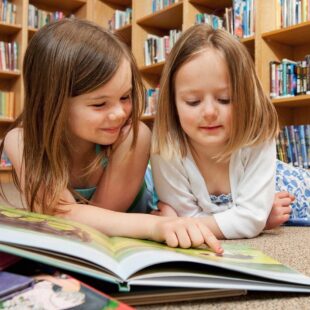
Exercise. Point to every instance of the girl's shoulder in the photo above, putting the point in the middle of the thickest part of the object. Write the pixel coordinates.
(14, 146)
(261, 150)
(13, 138)
(123, 149)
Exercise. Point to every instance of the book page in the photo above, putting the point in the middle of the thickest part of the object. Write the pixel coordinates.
(56, 235)
(236, 257)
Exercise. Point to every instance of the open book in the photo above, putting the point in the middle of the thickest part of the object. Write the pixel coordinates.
(131, 262)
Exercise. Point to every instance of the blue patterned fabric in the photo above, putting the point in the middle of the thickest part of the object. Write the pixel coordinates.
(296, 181)
(223, 200)
(290, 179)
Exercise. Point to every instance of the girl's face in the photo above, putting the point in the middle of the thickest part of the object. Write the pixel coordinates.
(99, 116)
(202, 98)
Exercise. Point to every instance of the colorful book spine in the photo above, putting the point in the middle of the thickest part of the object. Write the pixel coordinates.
(293, 145)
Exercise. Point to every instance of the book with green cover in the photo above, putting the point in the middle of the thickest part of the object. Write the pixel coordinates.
(132, 262)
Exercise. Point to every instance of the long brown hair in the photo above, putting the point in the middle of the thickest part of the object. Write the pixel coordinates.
(64, 59)
(254, 116)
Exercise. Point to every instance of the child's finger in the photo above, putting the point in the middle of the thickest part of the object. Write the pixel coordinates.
(282, 194)
(287, 210)
(183, 237)
(210, 239)
(284, 202)
(195, 235)
(292, 197)
(172, 240)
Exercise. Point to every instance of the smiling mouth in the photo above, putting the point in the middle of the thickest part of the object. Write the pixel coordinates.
(210, 127)
(112, 130)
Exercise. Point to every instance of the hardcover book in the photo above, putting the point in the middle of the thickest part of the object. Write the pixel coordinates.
(133, 263)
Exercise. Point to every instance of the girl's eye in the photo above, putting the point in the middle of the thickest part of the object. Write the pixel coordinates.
(98, 105)
(224, 101)
(125, 98)
(192, 103)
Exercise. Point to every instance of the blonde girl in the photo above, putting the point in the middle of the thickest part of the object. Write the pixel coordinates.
(78, 149)
(213, 152)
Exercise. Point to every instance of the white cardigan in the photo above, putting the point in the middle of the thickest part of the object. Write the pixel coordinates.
(179, 183)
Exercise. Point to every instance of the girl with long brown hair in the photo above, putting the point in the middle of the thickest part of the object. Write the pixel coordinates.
(78, 149)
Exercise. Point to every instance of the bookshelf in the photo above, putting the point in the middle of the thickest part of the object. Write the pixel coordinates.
(269, 43)
(293, 43)
(20, 32)
(103, 11)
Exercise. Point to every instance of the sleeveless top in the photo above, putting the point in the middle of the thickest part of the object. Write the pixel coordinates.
(87, 193)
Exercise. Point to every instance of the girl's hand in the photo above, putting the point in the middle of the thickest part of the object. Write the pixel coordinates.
(281, 210)
(184, 232)
(164, 210)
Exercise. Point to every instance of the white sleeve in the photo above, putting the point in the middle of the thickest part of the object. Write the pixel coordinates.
(173, 187)
(254, 195)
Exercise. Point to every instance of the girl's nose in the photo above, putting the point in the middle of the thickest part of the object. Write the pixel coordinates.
(209, 109)
(117, 112)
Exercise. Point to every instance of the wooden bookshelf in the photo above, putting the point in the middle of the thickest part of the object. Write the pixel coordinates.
(268, 43)
(274, 44)
(153, 69)
(124, 33)
(60, 5)
(293, 102)
(103, 11)
(294, 35)
(20, 32)
(9, 29)
(214, 5)
(169, 17)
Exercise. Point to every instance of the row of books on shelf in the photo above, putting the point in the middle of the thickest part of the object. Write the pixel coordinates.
(38, 18)
(293, 145)
(7, 105)
(9, 56)
(8, 11)
(289, 78)
(157, 48)
(120, 19)
(151, 101)
(238, 20)
(244, 18)
(161, 4)
(292, 12)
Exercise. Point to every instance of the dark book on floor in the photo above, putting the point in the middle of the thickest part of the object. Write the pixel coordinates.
(133, 263)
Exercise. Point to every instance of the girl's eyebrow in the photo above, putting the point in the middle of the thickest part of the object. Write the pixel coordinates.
(105, 96)
(194, 90)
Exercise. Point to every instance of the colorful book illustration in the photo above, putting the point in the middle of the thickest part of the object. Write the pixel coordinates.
(60, 292)
(132, 262)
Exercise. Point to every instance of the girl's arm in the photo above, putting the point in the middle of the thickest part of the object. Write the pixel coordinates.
(253, 184)
(124, 174)
(175, 232)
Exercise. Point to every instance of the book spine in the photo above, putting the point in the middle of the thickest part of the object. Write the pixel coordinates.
(303, 148)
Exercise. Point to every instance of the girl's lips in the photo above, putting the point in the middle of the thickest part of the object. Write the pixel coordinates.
(210, 127)
(112, 130)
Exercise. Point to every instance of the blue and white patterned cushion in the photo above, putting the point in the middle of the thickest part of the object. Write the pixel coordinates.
(296, 181)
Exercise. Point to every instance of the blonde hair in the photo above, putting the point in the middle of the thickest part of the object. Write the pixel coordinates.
(64, 59)
(254, 118)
